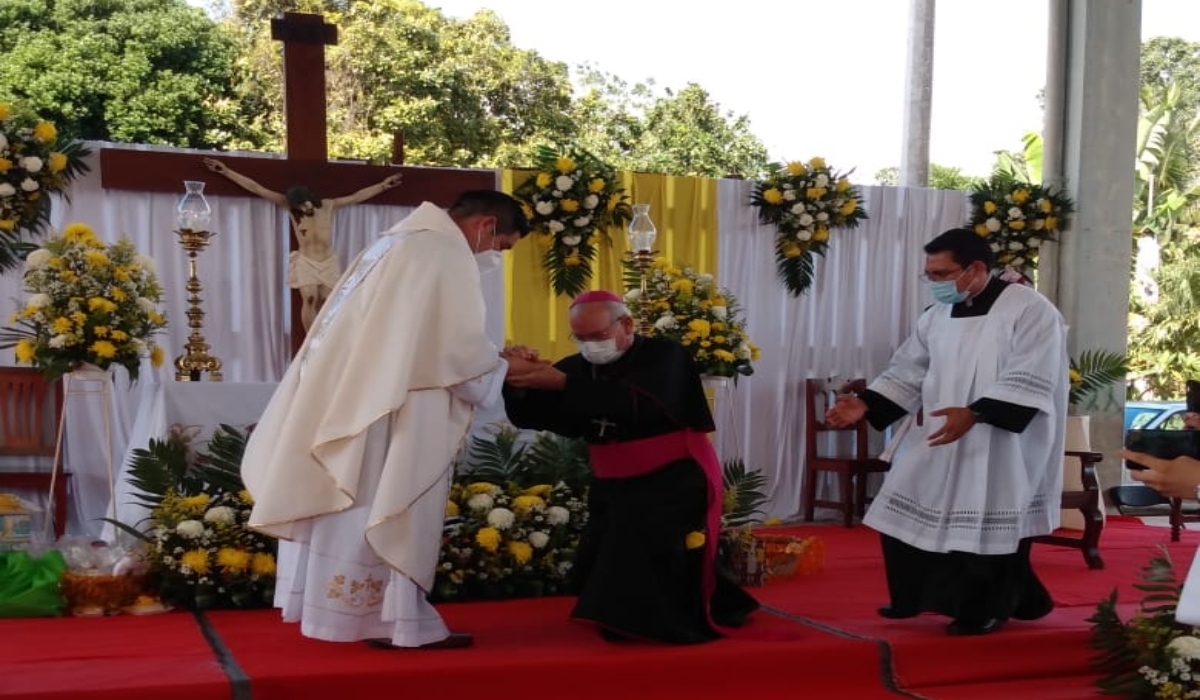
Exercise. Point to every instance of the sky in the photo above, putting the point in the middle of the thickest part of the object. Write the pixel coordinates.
(821, 78)
(827, 78)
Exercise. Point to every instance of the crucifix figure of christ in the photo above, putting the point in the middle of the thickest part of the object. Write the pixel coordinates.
(304, 37)
(313, 268)
(603, 424)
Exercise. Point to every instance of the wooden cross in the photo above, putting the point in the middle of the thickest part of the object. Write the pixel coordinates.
(604, 425)
(304, 38)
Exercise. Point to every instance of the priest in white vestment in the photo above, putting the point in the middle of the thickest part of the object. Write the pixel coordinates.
(351, 463)
(981, 475)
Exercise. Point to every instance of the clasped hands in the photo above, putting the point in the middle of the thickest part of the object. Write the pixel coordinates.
(528, 371)
(849, 409)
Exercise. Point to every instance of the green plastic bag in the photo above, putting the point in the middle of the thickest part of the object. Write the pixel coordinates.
(29, 586)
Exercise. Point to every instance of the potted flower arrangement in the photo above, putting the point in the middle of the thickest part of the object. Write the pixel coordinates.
(805, 202)
(514, 519)
(1017, 218)
(1151, 655)
(88, 303)
(198, 549)
(689, 307)
(35, 162)
(572, 201)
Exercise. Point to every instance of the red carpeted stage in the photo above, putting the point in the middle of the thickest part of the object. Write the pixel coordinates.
(819, 638)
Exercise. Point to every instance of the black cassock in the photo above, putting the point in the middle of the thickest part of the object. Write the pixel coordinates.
(634, 575)
(971, 588)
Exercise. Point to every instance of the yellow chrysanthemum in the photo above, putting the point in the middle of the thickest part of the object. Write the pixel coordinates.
(569, 205)
(1051, 223)
(815, 192)
(481, 487)
(573, 260)
(451, 509)
(104, 306)
(982, 230)
(57, 162)
(196, 560)
(5, 165)
(1046, 206)
(821, 234)
(488, 538)
(1020, 196)
(700, 327)
(521, 552)
(842, 185)
(528, 503)
(816, 163)
(724, 355)
(796, 168)
(103, 349)
(45, 132)
(195, 503)
(77, 232)
(989, 207)
(849, 207)
(772, 195)
(245, 497)
(596, 186)
(694, 540)
(564, 164)
(1017, 225)
(156, 356)
(541, 490)
(263, 564)
(100, 331)
(96, 258)
(233, 561)
(7, 224)
(544, 180)
(25, 351)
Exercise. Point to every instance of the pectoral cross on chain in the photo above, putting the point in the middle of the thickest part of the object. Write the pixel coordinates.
(604, 425)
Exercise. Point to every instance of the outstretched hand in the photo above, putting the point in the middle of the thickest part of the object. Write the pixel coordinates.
(214, 165)
(393, 181)
(846, 411)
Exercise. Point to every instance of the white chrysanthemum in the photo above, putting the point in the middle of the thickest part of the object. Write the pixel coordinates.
(59, 341)
(1016, 245)
(146, 305)
(1186, 647)
(591, 201)
(805, 219)
(798, 209)
(992, 224)
(633, 295)
(30, 185)
(1018, 261)
(823, 216)
(720, 312)
(804, 235)
(666, 323)
(3, 142)
(555, 226)
(32, 164)
(582, 221)
(789, 194)
(38, 258)
(538, 540)
(147, 263)
(564, 182)
(7, 190)
(500, 518)
(1015, 213)
(557, 515)
(220, 514)
(38, 301)
(822, 180)
(544, 208)
(480, 502)
(190, 528)
(572, 240)
(1035, 242)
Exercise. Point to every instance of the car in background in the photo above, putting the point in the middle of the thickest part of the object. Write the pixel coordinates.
(1161, 415)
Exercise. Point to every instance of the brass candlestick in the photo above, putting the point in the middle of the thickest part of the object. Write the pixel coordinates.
(642, 234)
(196, 359)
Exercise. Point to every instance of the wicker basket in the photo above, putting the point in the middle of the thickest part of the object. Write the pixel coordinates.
(100, 594)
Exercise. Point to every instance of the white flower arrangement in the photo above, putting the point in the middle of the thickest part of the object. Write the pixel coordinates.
(1018, 218)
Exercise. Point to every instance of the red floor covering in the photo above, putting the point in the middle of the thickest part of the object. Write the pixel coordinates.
(831, 645)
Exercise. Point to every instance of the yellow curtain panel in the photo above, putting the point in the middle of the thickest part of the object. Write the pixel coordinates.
(684, 210)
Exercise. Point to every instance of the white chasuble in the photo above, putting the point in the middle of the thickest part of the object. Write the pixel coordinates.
(990, 488)
(352, 460)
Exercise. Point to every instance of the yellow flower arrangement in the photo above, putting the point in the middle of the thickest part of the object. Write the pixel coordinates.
(34, 163)
(1017, 218)
(689, 307)
(805, 202)
(572, 201)
(89, 302)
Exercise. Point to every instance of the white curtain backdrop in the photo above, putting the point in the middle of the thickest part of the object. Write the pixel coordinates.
(864, 299)
(245, 300)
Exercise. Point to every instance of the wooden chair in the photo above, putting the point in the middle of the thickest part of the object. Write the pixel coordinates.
(1142, 501)
(1088, 502)
(852, 469)
(30, 411)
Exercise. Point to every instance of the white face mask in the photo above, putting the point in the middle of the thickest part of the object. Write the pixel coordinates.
(600, 352)
(488, 261)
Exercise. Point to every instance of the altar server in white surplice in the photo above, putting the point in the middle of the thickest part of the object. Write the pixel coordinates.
(982, 475)
(350, 466)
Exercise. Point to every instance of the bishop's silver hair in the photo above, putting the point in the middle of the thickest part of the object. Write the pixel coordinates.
(617, 309)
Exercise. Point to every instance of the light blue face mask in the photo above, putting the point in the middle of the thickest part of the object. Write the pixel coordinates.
(946, 292)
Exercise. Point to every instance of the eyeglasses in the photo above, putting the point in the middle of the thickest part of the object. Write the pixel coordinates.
(602, 334)
(945, 276)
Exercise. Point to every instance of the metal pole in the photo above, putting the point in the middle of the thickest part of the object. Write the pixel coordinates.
(918, 95)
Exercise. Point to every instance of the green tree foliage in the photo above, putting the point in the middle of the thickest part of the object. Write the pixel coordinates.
(144, 71)
(941, 177)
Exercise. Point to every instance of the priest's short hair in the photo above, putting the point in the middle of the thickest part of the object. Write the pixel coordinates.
(965, 246)
(510, 218)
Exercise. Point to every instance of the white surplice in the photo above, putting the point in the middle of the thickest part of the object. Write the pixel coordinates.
(351, 462)
(991, 488)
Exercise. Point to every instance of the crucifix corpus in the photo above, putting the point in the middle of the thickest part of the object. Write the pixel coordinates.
(304, 38)
(603, 424)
